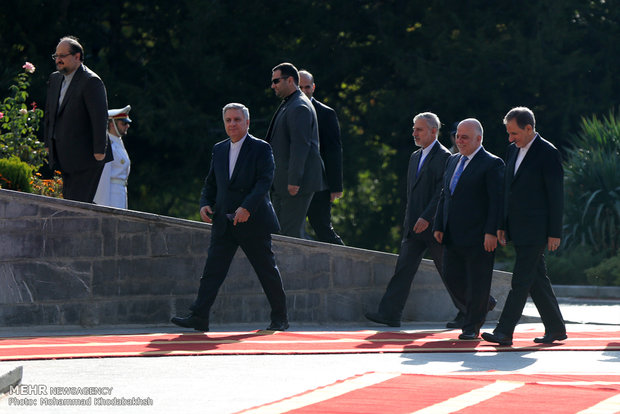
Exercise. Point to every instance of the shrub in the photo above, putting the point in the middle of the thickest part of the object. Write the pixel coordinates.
(18, 125)
(607, 273)
(592, 187)
(569, 266)
(15, 174)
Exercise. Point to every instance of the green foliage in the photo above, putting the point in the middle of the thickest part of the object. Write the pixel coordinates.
(15, 174)
(18, 125)
(377, 63)
(592, 186)
(607, 273)
(569, 266)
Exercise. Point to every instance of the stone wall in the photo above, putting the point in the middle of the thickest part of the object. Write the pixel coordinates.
(70, 263)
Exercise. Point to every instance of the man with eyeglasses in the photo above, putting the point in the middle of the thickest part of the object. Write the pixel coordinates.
(294, 137)
(76, 115)
(330, 145)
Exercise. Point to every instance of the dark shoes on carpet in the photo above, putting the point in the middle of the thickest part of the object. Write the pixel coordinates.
(278, 326)
(378, 318)
(469, 335)
(549, 338)
(497, 337)
(192, 321)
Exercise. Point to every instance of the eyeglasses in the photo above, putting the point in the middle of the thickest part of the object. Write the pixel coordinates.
(277, 80)
(55, 56)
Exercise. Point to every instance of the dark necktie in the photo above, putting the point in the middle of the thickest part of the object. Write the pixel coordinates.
(420, 163)
(457, 174)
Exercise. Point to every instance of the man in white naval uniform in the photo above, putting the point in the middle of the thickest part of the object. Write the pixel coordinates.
(112, 189)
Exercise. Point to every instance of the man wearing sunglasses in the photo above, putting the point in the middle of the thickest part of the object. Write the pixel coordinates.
(76, 118)
(294, 137)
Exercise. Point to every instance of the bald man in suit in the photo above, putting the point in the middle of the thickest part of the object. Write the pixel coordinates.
(76, 119)
(467, 219)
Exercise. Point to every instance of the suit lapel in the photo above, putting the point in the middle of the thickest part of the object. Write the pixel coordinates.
(510, 164)
(529, 155)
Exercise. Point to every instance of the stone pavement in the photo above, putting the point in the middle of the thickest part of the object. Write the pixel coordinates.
(229, 383)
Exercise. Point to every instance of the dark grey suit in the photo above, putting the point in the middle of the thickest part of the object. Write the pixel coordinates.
(464, 217)
(532, 212)
(76, 130)
(319, 212)
(248, 187)
(294, 137)
(423, 190)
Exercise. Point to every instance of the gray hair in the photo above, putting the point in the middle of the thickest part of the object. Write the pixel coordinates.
(431, 119)
(476, 124)
(241, 107)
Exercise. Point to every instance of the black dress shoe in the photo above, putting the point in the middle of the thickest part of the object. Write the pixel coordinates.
(278, 326)
(192, 321)
(492, 303)
(469, 335)
(550, 337)
(377, 317)
(497, 337)
(458, 322)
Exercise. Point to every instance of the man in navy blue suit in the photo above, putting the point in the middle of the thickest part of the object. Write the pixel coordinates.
(466, 223)
(532, 220)
(235, 199)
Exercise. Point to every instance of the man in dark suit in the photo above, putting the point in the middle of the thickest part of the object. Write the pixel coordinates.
(424, 177)
(294, 137)
(320, 210)
(532, 219)
(76, 119)
(235, 198)
(466, 223)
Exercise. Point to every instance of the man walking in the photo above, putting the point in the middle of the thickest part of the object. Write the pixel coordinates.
(235, 198)
(532, 219)
(294, 137)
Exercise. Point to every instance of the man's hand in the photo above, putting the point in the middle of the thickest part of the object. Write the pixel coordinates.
(438, 236)
(241, 216)
(334, 196)
(204, 214)
(501, 237)
(420, 225)
(293, 189)
(490, 242)
(99, 157)
(553, 243)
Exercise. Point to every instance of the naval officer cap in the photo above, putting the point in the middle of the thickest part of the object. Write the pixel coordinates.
(120, 114)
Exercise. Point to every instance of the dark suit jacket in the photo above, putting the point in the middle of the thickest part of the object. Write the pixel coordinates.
(330, 145)
(79, 126)
(534, 196)
(248, 187)
(475, 207)
(294, 137)
(423, 192)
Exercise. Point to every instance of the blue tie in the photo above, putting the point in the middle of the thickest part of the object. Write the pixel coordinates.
(420, 163)
(457, 174)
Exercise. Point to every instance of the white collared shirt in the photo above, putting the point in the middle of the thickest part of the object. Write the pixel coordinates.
(65, 85)
(235, 148)
(425, 152)
(522, 152)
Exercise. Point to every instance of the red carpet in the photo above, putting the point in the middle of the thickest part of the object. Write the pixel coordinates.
(483, 392)
(267, 342)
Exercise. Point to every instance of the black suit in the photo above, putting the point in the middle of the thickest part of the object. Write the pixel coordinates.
(319, 212)
(423, 190)
(248, 187)
(76, 130)
(532, 212)
(464, 217)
